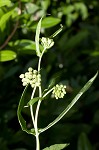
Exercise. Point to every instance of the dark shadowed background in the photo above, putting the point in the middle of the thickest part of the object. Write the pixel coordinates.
(73, 60)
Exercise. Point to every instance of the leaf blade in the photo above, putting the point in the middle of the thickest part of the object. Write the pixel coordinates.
(4, 2)
(34, 100)
(56, 147)
(7, 55)
(50, 22)
(83, 142)
(5, 18)
(84, 89)
(20, 117)
(37, 37)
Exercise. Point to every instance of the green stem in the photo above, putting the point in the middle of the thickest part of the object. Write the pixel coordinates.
(36, 119)
(31, 108)
(37, 109)
(48, 92)
(39, 63)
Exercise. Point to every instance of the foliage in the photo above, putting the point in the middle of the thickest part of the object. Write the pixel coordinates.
(75, 58)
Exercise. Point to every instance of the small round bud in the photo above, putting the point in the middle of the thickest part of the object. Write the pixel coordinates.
(30, 69)
(30, 76)
(34, 76)
(21, 76)
(26, 74)
(24, 83)
(34, 71)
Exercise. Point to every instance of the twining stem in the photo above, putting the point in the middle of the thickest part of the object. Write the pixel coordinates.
(39, 63)
(31, 108)
(48, 92)
(36, 119)
(38, 106)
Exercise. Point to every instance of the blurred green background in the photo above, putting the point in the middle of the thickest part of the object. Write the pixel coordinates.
(73, 60)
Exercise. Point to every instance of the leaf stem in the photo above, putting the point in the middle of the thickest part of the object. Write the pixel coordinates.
(48, 92)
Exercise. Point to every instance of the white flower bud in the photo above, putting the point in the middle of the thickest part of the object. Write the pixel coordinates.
(31, 77)
(30, 69)
(26, 74)
(21, 76)
(47, 42)
(34, 76)
(34, 71)
(24, 83)
(59, 91)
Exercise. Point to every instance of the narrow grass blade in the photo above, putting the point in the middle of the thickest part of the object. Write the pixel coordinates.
(20, 117)
(37, 37)
(81, 92)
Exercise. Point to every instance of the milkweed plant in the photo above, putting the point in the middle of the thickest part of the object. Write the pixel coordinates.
(33, 79)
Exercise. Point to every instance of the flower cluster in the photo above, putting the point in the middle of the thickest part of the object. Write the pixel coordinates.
(59, 91)
(47, 42)
(31, 77)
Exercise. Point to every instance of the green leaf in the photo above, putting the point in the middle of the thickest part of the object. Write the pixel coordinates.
(84, 143)
(82, 9)
(84, 89)
(31, 8)
(4, 2)
(20, 117)
(37, 38)
(48, 22)
(25, 46)
(7, 55)
(5, 18)
(56, 147)
(34, 100)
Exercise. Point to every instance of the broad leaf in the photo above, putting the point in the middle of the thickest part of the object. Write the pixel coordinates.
(7, 55)
(31, 8)
(48, 22)
(84, 89)
(25, 46)
(5, 18)
(4, 2)
(37, 37)
(20, 117)
(56, 147)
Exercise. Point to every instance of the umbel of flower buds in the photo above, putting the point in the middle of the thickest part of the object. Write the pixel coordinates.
(59, 91)
(31, 77)
(47, 42)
